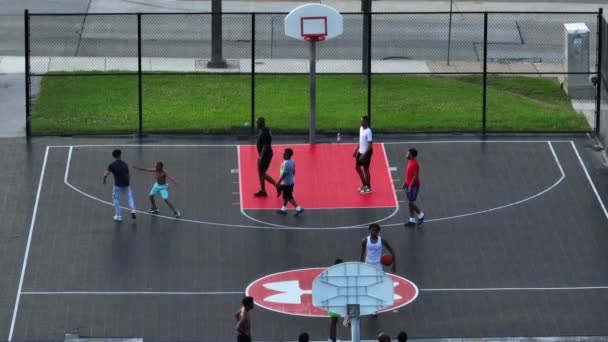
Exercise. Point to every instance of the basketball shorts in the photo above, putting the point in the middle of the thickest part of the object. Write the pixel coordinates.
(264, 162)
(161, 189)
(365, 162)
(413, 193)
(288, 192)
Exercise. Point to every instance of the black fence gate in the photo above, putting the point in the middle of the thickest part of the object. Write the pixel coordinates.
(140, 73)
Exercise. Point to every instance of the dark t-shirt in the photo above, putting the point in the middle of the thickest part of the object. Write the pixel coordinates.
(120, 170)
(264, 138)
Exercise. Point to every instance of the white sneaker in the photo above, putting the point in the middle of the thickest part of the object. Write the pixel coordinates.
(117, 218)
(362, 189)
(367, 190)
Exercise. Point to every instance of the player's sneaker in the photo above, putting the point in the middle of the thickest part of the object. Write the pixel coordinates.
(299, 212)
(410, 223)
(282, 212)
(362, 189)
(359, 189)
(367, 190)
(177, 214)
(421, 218)
(154, 210)
(261, 193)
(117, 218)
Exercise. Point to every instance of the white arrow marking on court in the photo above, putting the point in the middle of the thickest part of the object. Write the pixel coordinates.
(291, 293)
(396, 296)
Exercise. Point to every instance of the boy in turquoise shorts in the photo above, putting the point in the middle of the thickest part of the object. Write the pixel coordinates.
(160, 187)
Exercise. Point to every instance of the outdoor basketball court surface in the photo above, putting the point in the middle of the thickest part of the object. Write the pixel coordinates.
(514, 242)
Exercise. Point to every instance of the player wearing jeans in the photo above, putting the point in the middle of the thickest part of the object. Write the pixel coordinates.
(412, 187)
(120, 171)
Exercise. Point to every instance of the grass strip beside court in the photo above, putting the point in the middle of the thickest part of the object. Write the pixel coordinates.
(71, 104)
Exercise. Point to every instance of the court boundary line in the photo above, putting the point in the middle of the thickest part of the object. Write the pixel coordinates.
(597, 195)
(360, 225)
(480, 212)
(28, 245)
(221, 224)
(218, 293)
(150, 293)
(386, 143)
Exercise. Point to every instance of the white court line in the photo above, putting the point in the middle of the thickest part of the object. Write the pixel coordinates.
(597, 195)
(218, 293)
(386, 143)
(390, 176)
(274, 226)
(559, 165)
(122, 293)
(27, 247)
(572, 288)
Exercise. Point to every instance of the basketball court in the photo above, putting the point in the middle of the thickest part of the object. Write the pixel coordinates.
(513, 243)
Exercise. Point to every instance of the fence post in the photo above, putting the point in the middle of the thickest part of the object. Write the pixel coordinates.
(139, 77)
(28, 116)
(598, 69)
(252, 74)
(485, 73)
(369, 66)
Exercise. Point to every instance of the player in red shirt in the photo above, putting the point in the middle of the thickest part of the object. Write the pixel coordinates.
(412, 186)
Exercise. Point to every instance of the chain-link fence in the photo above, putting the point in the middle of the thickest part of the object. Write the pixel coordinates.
(410, 72)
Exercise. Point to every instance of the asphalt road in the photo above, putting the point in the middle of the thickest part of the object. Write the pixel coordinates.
(536, 38)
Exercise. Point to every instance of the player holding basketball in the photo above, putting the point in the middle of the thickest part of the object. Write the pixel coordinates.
(412, 187)
(120, 171)
(243, 326)
(264, 146)
(160, 187)
(372, 247)
(363, 156)
(287, 183)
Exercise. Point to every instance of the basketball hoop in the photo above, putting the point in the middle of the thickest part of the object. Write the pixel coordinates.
(314, 37)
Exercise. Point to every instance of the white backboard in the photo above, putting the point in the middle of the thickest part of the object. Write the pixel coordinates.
(314, 19)
(353, 283)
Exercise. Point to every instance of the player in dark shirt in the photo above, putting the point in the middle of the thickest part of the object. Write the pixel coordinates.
(264, 146)
(120, 170)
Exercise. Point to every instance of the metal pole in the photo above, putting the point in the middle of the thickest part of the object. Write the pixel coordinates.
(313, 92)
(355, 329)
(450, 31)
(28, 116)
(139, 77)
(252, 74)
(598, 68)
(485, 72)
(369, 68)
(366, 7)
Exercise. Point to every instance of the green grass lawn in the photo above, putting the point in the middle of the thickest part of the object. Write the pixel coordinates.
(70, 104)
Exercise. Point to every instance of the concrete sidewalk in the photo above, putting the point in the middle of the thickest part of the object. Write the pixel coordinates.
(43, 65)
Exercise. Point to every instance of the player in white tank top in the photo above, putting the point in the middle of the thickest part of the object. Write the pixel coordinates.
(372, 247)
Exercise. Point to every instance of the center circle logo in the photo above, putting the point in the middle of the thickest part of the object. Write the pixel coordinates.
(290, 292)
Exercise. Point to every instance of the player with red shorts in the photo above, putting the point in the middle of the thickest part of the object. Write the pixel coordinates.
(412, 187)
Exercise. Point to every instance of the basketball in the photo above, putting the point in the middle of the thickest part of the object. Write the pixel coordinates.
(387, 260)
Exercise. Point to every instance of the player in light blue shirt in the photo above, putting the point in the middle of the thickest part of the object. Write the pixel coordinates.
(286, 183)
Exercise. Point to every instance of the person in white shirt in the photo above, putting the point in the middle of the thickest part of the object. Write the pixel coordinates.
(372, 247)
(363, 156)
